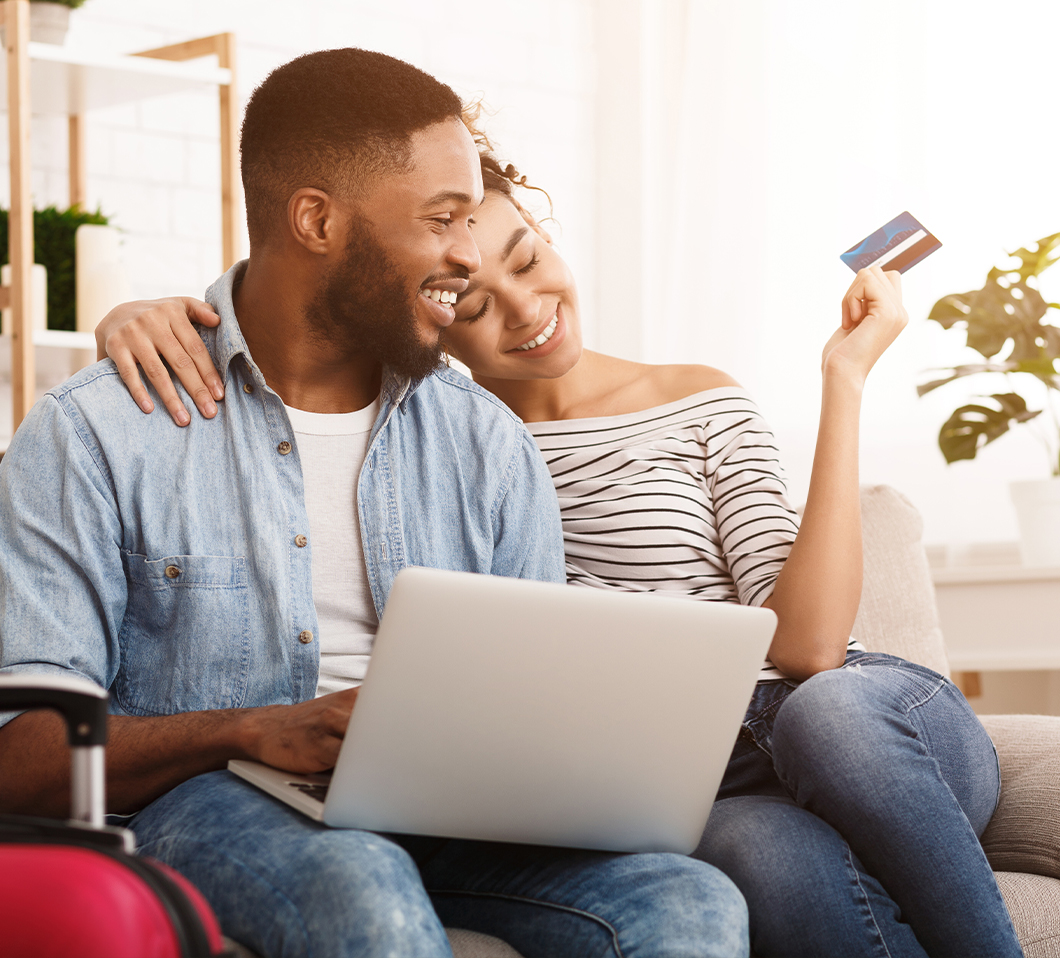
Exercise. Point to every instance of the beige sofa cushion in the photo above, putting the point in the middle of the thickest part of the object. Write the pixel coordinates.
(1034, 904)
(1024, 834)
(897, 613)
(472, 944)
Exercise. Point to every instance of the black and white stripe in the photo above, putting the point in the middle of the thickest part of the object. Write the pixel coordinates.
(686, 498)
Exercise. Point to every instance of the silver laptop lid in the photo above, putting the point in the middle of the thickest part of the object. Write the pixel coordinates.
(509, 710)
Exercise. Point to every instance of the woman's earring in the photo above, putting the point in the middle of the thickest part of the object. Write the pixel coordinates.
(445, 356)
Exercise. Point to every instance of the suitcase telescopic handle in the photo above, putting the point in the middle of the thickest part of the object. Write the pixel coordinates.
(84, 707)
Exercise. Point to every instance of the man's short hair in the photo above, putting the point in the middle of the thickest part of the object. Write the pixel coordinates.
(332, 120)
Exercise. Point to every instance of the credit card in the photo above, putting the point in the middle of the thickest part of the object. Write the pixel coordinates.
(899, 244)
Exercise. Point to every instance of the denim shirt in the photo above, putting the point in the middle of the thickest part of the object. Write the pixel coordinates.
(164, 563)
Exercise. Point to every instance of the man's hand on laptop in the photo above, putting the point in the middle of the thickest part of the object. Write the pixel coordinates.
(301, 738)
(146, 332)
(148, 756)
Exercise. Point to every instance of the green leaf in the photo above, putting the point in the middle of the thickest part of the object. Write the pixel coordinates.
(959, 372)
(53, 247)
(1037, 262)
(1042, 367)
(1051, 336)
(973, 426)
(1000, 311)
(1014, 405)
(950, 309)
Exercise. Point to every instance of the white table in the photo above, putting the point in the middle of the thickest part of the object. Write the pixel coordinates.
(998, 617)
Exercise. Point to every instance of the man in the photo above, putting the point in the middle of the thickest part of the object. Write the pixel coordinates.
(195, 573)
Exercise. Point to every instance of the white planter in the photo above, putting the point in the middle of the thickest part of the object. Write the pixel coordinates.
(48, 22)
(1037, 503)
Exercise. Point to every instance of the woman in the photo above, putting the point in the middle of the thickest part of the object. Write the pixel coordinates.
(850, 810)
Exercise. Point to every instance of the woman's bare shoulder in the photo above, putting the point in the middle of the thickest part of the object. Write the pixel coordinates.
(616, 386)
(676, 381)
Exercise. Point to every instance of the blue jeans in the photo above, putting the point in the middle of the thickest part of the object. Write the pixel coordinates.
(850, 812)
(284, 885)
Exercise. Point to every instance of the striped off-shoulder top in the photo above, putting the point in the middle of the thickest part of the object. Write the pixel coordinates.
(687, 498)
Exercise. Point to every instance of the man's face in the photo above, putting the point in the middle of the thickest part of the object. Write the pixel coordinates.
(409, 247)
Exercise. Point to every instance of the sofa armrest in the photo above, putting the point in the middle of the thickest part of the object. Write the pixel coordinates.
(1024, 834)
(897, 613)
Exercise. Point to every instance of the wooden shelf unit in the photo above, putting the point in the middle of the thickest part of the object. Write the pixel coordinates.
(43, 78)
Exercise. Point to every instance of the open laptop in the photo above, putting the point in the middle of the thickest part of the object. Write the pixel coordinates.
(510, 710)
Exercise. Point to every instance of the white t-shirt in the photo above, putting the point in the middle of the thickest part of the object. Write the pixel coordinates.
(332, 447)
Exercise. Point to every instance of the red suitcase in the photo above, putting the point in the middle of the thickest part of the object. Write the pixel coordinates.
(76, 889)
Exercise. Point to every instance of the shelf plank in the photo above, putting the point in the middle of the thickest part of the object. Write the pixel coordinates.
(66, 81)
(984, 574)
(62, 339)
(1001, 662)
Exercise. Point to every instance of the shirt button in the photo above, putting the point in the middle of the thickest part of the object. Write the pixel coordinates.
(283, 448)
(300, 541)
(305, 637)
(248, 387)
(172, 571)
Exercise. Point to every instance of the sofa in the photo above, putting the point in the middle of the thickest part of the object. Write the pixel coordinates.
(898, 615)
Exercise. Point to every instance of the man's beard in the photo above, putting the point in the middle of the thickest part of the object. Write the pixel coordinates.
(364, 306)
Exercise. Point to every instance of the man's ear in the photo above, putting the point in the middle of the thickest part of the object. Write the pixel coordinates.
(310, 214)
(531, 222)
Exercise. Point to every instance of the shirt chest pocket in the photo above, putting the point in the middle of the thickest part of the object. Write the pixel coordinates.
(184, 642)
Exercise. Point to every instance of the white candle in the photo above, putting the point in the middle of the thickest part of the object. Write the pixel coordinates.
(38, 295)
(101, 281)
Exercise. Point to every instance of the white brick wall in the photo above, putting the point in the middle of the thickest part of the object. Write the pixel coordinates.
(153, 166)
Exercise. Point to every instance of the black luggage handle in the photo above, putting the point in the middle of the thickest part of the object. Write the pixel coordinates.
(84, 707)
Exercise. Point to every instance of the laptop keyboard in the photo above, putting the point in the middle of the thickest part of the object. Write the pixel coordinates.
(319, 792)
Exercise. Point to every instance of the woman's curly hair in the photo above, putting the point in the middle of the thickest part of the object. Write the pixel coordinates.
(496, 176)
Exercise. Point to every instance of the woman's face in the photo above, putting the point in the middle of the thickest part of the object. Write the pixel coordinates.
(518, 318)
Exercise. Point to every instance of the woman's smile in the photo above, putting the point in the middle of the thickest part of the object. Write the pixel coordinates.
(547, 340)
(521, 305)
(543, 337)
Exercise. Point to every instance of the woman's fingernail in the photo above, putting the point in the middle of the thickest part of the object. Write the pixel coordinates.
(218, 391)
(182, 417)
(146, 405)
(209, 410)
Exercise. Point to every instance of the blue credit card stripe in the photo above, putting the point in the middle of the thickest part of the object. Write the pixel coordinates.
(902, 225)
(898, 244)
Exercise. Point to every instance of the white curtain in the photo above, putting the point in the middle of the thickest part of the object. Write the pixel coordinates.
(743, 146)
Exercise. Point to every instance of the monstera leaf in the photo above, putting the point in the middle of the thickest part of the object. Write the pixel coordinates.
(1034, 264)
(972, 427)
(1005, 322)
(1008, 307)
(1002, 310)
(959, 372)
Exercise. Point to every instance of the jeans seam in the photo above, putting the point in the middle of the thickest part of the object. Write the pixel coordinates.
(765, 716)
(242, 866)
(865, 898)
(523, 899)
(939, 686)
(997, 765)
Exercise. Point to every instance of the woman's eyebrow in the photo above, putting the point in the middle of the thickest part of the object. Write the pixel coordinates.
(513, 241)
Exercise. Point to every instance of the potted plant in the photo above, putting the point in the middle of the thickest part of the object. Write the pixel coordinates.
(54, 245)
(1008, 323)
(50, 19)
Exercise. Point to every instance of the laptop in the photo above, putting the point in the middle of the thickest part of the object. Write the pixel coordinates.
(510, 710)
